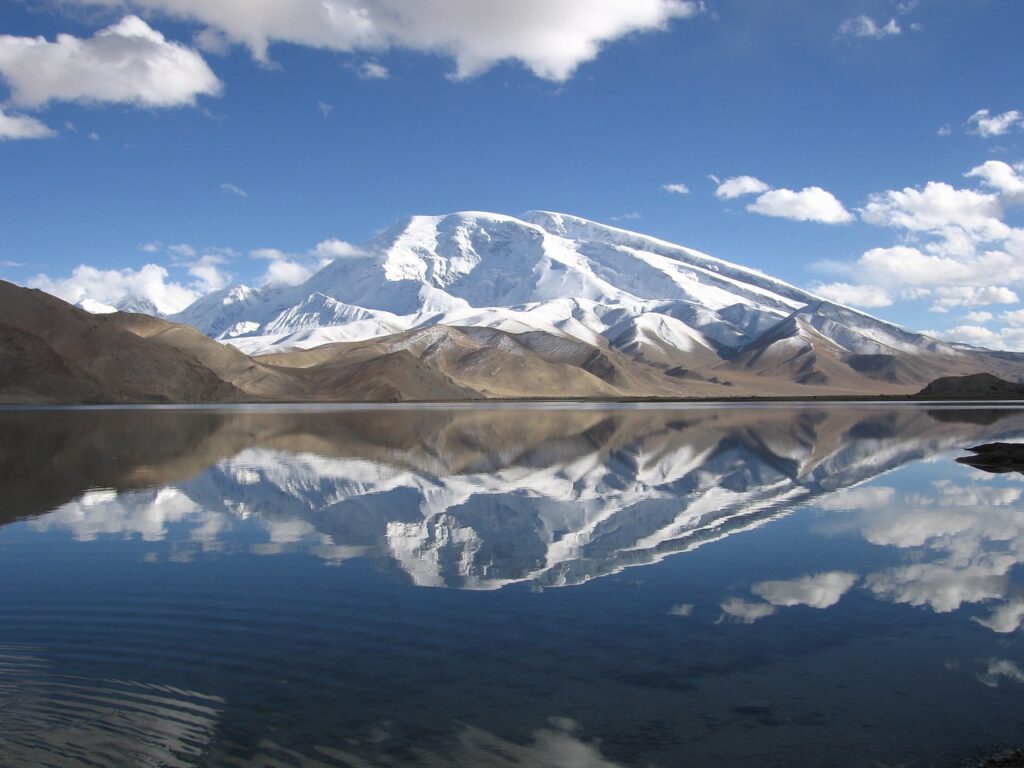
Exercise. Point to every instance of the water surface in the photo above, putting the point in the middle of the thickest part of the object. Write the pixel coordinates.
(509, 586)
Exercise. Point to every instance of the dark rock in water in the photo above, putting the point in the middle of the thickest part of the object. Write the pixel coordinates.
(1013, 758)
(977, 386)
(996, 457)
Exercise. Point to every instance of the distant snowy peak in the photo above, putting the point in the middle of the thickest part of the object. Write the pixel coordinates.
(137, 304)
(96, 307)
(546, 271)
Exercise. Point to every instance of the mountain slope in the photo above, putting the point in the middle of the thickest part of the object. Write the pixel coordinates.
(675, 313)
(51, 351)
(54, 352)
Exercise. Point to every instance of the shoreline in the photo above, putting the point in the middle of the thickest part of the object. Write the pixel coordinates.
(542, 402)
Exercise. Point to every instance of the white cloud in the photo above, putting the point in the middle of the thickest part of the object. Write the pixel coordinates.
(269, 254)
(1007, 179)
(549, 39)
(14, 127)
(864, 497)
(737, 186)
(325, 108)
(976, 335)
(809, 204)
(373, 70)
(183, 250)
(944, 130)
(128, 62)
(937, 208)
(337, 249)
(985, 124)
(970, 296)
(1006, 618)
(944, 586)
(1002, 668)
(676, 188)
(207, 273)
(295, 268)
(947, 276)
(286, 272)
(232, 189)
(747, 611)
(978, 317)
(865, 26)
(112, 286)
(853, 295)
(821, 590)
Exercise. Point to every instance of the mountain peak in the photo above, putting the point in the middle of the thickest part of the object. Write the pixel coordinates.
(571, 278)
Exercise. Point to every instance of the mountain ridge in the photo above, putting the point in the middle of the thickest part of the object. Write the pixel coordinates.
(479, 306)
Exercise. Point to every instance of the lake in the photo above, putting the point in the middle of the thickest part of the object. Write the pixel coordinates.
(503, 586)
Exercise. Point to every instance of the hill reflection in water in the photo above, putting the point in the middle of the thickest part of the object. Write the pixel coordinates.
(472, 498)
(191, 546)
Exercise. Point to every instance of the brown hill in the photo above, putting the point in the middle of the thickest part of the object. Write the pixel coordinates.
(53, 352)
(978, 386)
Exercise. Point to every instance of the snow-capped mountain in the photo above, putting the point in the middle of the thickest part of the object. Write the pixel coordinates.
(545, 271)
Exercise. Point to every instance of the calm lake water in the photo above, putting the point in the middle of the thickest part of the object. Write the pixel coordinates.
(509, 586)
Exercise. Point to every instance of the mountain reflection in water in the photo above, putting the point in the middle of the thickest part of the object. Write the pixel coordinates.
(481, 498)
(715, 660)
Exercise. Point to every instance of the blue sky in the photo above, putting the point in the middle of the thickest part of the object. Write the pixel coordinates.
(237, 135)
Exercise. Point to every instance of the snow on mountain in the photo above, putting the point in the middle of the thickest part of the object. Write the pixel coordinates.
(545, 271)
(136, 304)
(95, 307)
(670, 309)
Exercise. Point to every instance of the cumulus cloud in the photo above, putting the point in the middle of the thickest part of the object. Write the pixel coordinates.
(207, 273)
(745, 610)
(936, 208)
(809, 204)
(944, 586)
(1006, 179)
(865, 26)
(373, 70)
(821, 590)
(113, 286)
(866, 497)
(970, 296)
(676, 188)
(978, 317)
(956, 247)
(284, 268)
(1001, 669)
(549, 39)
(128, 62)
(985, 124)
(286, 272)
(1006, 618)
(13, 127)
(337, 249)
(295, 268)
(853, 295)
(737, 186)
(975, 335)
